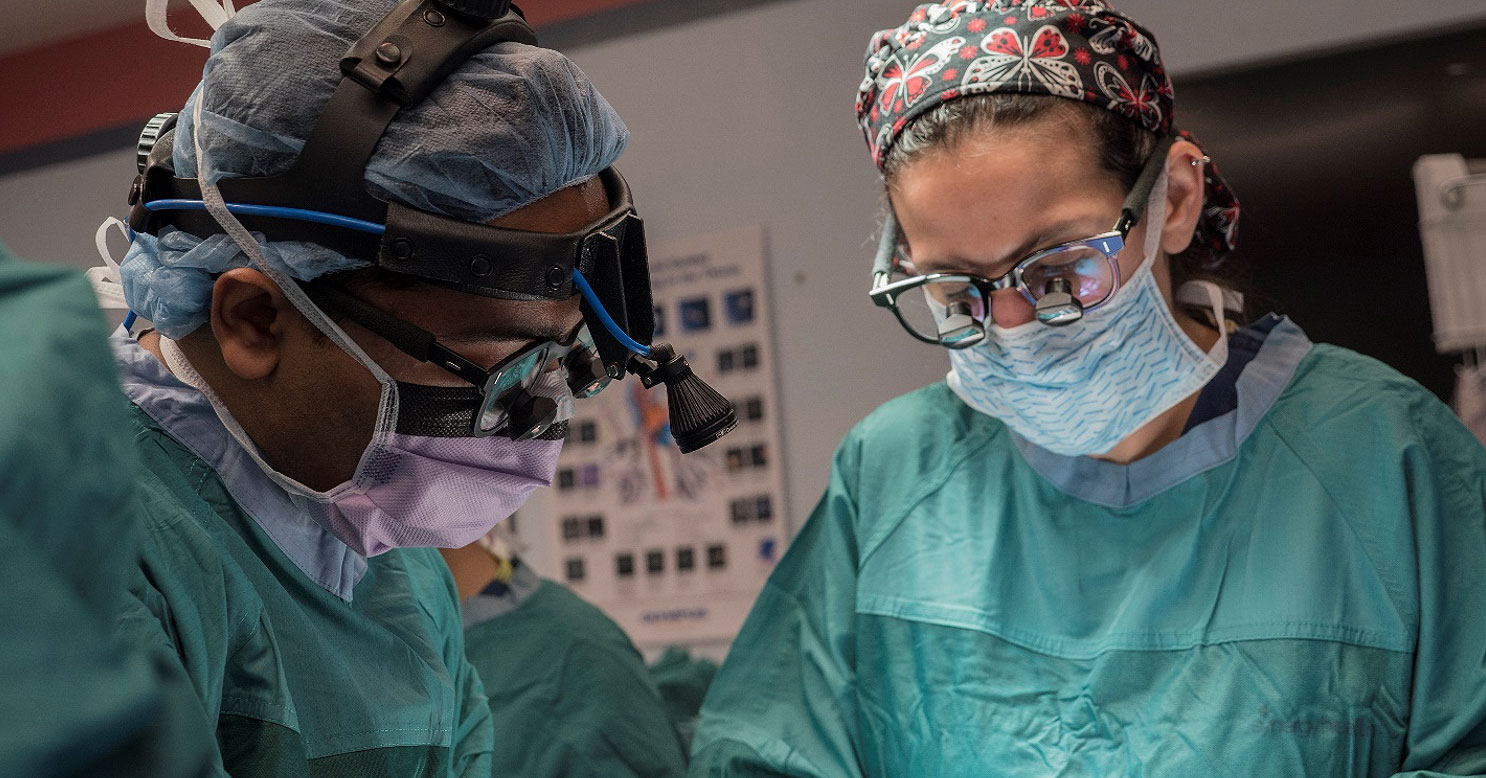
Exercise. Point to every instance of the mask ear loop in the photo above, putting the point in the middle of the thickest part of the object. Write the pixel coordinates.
(217, 207)
(1155, 223)
(1214, 297)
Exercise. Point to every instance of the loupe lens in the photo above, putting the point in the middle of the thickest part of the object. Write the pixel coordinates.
(1090, 274)
(509, 384)
(923, 308)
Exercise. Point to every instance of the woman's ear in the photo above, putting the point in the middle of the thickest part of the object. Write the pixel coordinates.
(248, 318)
(1183, 195)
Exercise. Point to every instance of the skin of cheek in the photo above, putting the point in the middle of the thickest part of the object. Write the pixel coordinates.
(327, 407)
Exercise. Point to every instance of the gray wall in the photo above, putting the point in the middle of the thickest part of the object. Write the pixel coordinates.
(746, 119)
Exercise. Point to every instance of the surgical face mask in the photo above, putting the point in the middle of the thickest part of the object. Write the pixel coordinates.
(1081, 389)
(423, 480)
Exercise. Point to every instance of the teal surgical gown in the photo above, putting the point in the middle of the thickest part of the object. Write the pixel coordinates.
(569, 693)
(682, 681)
(74, 699)
(1294, 588)
(307, 659)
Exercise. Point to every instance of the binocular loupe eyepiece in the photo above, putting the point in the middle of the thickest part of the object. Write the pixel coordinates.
(1057, 306)
(959, 329)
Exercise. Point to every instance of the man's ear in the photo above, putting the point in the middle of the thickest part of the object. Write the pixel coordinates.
(1183, 196)
(249, 318)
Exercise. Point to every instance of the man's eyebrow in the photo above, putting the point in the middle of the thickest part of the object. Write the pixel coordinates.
(486, 332)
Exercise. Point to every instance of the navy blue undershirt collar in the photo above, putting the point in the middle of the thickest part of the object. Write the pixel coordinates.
(1221, 393)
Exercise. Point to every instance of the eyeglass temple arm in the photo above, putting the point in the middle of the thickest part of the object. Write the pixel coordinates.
(409, 338)
(887, 246)
(1135, 202)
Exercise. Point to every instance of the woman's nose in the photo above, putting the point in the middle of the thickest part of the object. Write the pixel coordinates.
(1009, 308)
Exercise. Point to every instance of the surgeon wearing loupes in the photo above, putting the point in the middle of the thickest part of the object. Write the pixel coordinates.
(374, 262)
(1136, 531)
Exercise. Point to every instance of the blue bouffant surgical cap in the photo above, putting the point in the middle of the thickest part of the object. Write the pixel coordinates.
(513, 124)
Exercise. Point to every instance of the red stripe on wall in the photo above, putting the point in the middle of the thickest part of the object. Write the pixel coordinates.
(125, 75)
(91, 83)
(543, 12)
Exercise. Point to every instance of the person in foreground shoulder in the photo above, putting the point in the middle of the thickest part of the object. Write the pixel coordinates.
(1136, 531)
(75, 698)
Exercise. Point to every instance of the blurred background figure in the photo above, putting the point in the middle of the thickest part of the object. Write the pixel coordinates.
(682, 680)
(569, 693)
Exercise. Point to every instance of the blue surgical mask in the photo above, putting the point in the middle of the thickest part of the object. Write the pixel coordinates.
(1081, 389)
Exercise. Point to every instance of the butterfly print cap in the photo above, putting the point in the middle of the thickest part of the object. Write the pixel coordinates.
(1075, 49)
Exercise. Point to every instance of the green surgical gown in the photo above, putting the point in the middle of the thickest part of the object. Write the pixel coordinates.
(300, 672)
(569, 693)
(74, 700)
(1294, 588)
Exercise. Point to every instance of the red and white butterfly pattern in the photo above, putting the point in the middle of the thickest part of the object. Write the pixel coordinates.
(901, 86)
(1078, 49)
(1039, 10)
(1037, 60)
(1142, 105)
(1119, 35)
(1221, 222)
(946, 17)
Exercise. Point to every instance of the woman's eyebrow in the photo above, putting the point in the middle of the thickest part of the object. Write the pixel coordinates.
(1048, 237)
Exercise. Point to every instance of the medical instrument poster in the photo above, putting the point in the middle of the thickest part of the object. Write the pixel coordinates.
(676, 547)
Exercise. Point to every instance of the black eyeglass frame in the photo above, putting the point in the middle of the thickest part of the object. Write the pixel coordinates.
(424, 346)
(885, 292)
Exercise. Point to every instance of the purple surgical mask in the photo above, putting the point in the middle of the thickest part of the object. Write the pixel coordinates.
(440, 492)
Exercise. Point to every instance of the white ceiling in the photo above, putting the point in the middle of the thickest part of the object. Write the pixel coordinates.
(34, 22)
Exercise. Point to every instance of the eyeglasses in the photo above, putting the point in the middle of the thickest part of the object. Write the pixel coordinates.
(515, 395)
(1062, 282)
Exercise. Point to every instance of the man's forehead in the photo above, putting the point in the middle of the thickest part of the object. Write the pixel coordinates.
(459, 316)
(566, 210)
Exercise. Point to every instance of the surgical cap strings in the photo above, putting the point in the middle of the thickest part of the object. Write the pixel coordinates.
(107, 281)
(217, 207)
(215, 14)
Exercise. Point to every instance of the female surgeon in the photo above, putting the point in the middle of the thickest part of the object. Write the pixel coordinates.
(1131, 534)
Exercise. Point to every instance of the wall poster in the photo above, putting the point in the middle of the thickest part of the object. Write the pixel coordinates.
(675, 548)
